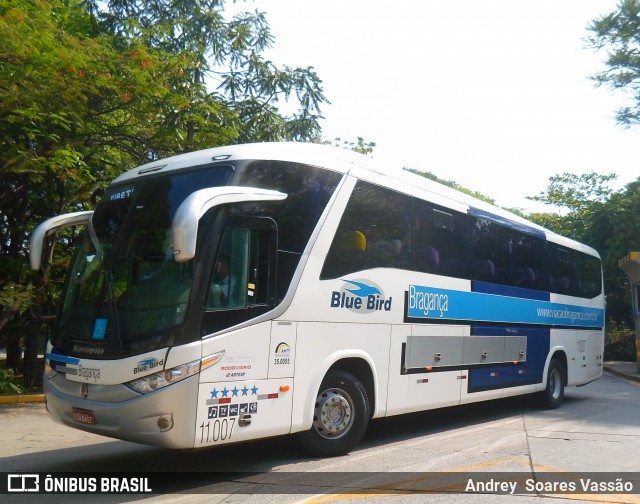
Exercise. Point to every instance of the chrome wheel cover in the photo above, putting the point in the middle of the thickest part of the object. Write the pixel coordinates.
(333, 414)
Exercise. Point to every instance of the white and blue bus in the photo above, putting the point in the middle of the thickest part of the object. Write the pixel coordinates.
(258, 290)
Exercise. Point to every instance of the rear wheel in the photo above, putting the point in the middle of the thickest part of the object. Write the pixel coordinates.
(551, 397)
(340, 416)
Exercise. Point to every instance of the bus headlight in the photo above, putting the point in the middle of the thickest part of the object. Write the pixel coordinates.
(159, 380)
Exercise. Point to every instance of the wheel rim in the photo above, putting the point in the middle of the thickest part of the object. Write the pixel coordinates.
(555, 383)
(333, 413)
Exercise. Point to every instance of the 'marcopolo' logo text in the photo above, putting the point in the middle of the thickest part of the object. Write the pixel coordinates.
(360, 297)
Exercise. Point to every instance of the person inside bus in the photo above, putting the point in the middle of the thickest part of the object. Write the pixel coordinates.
(223, 285)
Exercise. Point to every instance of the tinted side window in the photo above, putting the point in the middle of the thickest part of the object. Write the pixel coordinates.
(506, 256)
(308, 191)
(375, 232)
(441, 240)
(491, 252)
(589, 277)
(561, 269)
(528, 255)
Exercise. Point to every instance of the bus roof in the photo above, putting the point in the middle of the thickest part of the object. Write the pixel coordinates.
(349, 162)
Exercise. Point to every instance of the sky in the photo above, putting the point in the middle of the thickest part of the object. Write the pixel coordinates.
(492, 94)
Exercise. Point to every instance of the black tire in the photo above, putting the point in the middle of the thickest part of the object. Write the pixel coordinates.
(340, 418)
(551, 397)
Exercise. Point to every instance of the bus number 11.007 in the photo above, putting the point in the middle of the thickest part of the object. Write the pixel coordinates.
(219, 430)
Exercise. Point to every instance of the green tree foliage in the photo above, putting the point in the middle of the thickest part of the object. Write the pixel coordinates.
(608, 221)
(577, 193)
(226, 53)
(618, 33)
(615, 231)
(577, 198)
(9, 383)
(590, 212)
(89, 89)
(360, 145)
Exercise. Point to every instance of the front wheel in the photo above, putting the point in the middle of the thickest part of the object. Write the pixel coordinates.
(552, 396)
(340, 416)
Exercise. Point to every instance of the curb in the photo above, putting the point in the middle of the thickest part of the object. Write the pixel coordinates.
(21, 398)
(622, 374)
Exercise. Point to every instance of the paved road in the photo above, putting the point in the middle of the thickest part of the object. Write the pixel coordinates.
(597, 429)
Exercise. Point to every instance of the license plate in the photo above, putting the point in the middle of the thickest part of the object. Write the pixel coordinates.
(83, 416)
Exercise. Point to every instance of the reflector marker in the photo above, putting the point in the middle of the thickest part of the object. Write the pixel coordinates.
(222, 400)
(268, 396)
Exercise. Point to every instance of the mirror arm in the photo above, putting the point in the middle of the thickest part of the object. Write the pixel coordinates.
(185, 221)
(39, 235)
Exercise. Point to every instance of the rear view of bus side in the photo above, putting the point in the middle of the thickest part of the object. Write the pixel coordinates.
(267, 289)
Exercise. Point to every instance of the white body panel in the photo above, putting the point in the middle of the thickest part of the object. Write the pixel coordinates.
(270, 369)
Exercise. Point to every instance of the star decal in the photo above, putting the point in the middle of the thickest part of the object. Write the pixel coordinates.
(234, 391)
(214, 393)
(225, 392)
(254, 390)
(244, 390)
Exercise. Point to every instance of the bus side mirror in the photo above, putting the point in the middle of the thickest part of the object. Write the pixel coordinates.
(36, 242)
(185, 221)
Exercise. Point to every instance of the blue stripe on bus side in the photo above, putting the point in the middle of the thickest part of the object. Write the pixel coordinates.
(62, 358)
(512, 375)
(442, 305)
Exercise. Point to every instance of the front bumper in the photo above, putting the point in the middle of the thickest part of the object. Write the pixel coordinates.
(164, 418)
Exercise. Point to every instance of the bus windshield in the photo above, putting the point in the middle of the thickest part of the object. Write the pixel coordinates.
(124, 283)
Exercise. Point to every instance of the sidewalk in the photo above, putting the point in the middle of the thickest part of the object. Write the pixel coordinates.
(627, 370)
